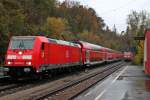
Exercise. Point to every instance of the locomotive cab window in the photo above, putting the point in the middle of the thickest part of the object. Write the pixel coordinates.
(21, 43)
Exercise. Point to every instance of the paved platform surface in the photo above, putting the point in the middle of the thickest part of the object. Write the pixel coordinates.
(128, 83)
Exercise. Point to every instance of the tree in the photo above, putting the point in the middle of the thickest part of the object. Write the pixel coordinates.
(137, 22)
(55, 26)
(69, 20)
(114, 29)
(80, 18)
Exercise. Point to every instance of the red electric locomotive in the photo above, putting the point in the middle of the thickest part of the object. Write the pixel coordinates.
(28, 55)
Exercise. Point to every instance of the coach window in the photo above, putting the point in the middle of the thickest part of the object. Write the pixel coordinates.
(87, 54)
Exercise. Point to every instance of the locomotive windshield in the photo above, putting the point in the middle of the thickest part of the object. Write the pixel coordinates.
(22, 43)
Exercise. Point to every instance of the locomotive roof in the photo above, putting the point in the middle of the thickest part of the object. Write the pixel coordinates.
(63, 42)
(23, 37)
(110, 50)
(90, 46)
(50, 40)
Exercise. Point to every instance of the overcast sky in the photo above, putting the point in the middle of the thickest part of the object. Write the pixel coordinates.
(116, 11)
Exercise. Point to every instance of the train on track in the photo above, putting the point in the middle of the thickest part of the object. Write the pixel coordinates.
(128, 56)
(36, 55)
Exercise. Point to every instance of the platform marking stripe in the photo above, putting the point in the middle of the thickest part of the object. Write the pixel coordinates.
(89, 93)
(100, 95)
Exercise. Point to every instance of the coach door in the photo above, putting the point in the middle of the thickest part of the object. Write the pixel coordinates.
(43, 53)
(87, 53)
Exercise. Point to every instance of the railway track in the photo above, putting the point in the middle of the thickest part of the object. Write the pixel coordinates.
(66, 88)
(8, 86)
(74, 88)
(13, 87)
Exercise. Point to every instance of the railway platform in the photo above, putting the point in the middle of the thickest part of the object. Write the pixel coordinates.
(128, 83)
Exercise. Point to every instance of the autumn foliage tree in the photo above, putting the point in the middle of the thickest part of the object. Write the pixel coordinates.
(137, 22)
(54, 27)
(68, 20)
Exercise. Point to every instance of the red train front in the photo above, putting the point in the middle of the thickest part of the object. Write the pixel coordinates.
(28, 55)
(23, 56)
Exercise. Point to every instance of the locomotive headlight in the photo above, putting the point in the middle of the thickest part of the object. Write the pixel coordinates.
(20, 53)
(11, 57)
(27, 69)
(28, 63)
(27, 57)
(9, 62)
